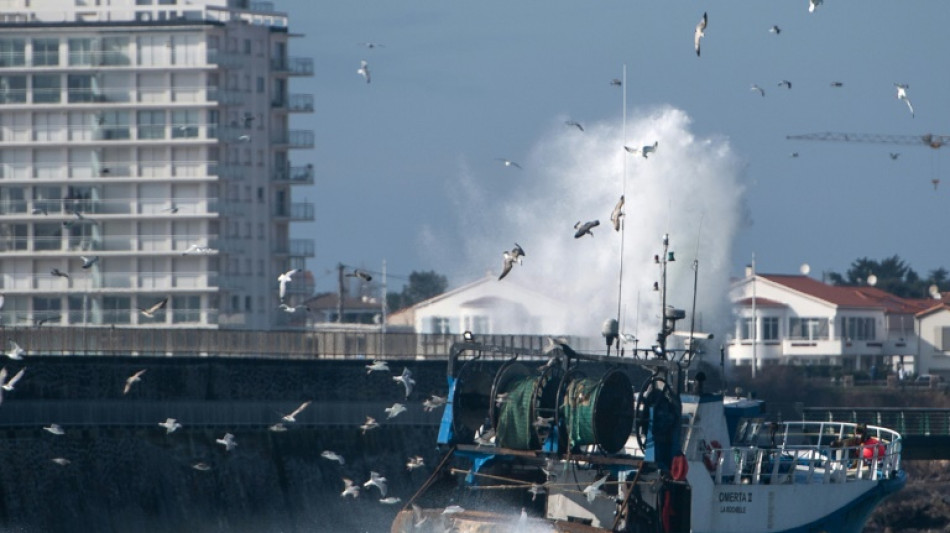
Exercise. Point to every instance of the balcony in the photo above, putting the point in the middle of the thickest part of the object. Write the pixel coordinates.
(294, 138)
(296, 248)
(295, 175)
(293, 66)
(300, 103)
(296, 212)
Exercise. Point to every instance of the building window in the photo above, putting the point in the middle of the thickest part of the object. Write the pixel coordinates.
(944, 338)
(47, 309)
(112, 125)
(115, 51)
(247, 304)
(770, 328)
(45, 52)
(12, 52)
(12, 89)
(186, 309)
(46, 88)
(80, 51)
(745, 329)
(116, 309)
(151, 124)
(47, 236)
(808, 328)
(79, 88)
(260, 84)
(858, 328)
(184, 123)
(440, 324)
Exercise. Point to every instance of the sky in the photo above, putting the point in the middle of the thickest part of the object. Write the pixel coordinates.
(408, 171)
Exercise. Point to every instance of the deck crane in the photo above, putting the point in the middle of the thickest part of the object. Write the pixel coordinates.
(927, 139)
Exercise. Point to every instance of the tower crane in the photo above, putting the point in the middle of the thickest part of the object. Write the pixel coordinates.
(927, 139)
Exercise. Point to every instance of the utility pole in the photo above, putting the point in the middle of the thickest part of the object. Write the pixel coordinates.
(340, 294)
(755, 329)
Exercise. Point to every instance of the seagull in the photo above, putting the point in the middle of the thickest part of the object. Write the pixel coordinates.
(616, 82)
(277, 428)
(760, 90)
(364, 70)
(170, 425)
(350, 489)
(535, 490)
(201, 467)
(392, 500)
(794, 154)
(227, 441)
(700, 31)
(60, 273)
(332, 456)
(813, 5)
(373, 45)
(542, 421)
(453, 509)
(775, 29)
(645, 151)
(131, 380)
(395, 410)
(616, 214)
(196, 249)
(40, 211)
(61, 461)
(378, 481)
(593, 490)
(283, 280)
(895, 155)
(417, 517)
(415, 461)
(377, 366)
(433, 403)
(508, 162)
(55, 429)
(8, 385)
(357, 273)
(174, 208)
(575, 124)
(406, 380)
(293, 309)
(515, 254)
(837, 84)
(15, 352)
(902, 95)
(150, 312)
(935, 181)
(87, 262)
(785, 83)
(369, 424)
(584, 229)
(291, 417)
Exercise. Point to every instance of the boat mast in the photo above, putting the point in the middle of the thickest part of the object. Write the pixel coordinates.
(623, 192)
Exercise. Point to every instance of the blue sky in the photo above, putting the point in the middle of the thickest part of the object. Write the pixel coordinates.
(404, 163)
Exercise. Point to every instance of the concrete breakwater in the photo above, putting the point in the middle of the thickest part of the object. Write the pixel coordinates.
(123, 472)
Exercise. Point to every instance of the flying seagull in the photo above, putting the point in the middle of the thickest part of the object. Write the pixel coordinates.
(283, 280)
(813, 5)
(416, 461)
(433, 403)
(350, 489)
(170, 425)
(508, 162)
(758, 89)
(394, 411)
(196, 249)
(902, 95)
(645, 151)
(288, 309)
(87, 262)
(575, 124)
(55, 429)
(277, 428)
(593, 490)
(15, 352)
(291, 417)
(377, 366)
(373, 45)
(332, 456)
(150, 312)
(785, 83)
(406, 380)
(584, 229)
(700, 31)
(58, 272)
(895, 155)
(8, 385)
(201, 467)
(227, 441)
(364, 70)
(61, 461)
(131, 380)
(369, 424)
(837, 84)
(775, 29)
(616, 82)
(378, 481)
(515, 254)
(616, 214)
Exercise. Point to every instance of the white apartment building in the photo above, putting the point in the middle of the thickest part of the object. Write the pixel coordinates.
(155, 136)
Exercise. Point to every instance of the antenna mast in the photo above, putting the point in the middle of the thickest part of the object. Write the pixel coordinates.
(623, 192)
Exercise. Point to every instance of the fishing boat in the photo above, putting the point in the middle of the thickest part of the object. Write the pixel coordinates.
(556, 440)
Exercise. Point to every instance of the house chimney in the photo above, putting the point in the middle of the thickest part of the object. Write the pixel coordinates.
(748, 271)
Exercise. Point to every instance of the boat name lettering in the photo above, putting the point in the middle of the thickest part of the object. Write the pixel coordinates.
(735, 497)
(734, 509)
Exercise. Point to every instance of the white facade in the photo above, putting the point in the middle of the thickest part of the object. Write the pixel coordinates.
(797, 320)
(154, 135)
(934, 354)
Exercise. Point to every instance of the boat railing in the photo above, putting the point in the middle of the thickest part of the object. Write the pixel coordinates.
(811, 452)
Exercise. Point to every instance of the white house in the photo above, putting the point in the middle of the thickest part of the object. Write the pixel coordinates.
(933, 355)
(486, 306)
(794, 319)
